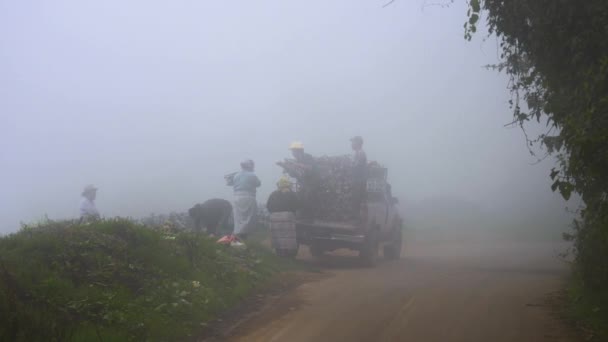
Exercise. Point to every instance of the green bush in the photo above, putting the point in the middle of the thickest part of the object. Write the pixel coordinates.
(115, 280)
(586, 307)
(555, 54)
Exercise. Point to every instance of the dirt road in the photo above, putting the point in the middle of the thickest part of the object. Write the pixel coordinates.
(450, 291)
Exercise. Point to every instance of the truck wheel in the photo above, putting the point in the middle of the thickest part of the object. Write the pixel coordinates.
(392, 251)
(369, 251)
(316, 251)
(292, 254)
(286, 253)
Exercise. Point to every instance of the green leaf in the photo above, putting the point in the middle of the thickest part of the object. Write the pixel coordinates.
(555, 185)
(554, 174)
(565, 189)
(475, 5)
(473, 19)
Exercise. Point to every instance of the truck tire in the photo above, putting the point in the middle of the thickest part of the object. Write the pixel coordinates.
(392, 250)
(316, 251)
(292, 254)
(369, 251)
(286, 253)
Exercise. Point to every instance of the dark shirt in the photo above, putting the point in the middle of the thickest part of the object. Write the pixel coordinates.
(306, 159)
(280, 201)
(310, 175)
(210, 213)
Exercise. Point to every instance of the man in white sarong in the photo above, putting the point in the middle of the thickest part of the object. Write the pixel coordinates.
(244, 208)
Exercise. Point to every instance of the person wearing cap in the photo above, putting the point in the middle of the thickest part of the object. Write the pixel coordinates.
(304, 159)
(282, 205)
(283, 199)
(359, 157)
(88, 210)
(359, 172)
(244, 208)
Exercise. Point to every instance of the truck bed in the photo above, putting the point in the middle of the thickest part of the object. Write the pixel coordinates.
(322, 230)
(351, 226)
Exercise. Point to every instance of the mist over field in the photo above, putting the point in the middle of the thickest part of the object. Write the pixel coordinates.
(154, 101)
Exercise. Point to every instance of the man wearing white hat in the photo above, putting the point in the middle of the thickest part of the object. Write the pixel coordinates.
(304, 159)
(88, 211)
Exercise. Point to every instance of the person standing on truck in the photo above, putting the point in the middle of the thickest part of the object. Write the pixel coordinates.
(88, 210)
(245, 184)
(282, 205)
(359, 173)
(308, 179)
(305, 160)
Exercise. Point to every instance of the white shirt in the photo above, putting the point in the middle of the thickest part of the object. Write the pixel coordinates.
(88, 209)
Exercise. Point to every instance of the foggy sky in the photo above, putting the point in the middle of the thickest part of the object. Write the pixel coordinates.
(154, 101)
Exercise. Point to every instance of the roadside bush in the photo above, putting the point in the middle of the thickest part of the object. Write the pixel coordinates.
(555, 54)
(115, 280)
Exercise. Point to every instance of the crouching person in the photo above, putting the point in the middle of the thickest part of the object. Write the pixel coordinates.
(212, 214)
(282, 205)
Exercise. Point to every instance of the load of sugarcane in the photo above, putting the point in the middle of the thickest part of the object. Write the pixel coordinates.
(327, 188)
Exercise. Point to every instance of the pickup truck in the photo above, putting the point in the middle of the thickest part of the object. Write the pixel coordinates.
(377, 226)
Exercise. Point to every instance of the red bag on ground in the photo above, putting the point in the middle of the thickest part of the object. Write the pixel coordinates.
(227, 239)
(230, 240)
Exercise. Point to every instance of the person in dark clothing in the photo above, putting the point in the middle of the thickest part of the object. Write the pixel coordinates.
(309, 182)
(359, 159)
(211, 215)
(283, 199)
(305, 161)
(359, 173)
(282, 205)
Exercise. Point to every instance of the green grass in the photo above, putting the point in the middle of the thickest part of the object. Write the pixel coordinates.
(118, 281)
(589, 310)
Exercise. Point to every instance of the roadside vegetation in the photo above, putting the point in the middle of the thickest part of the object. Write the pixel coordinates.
(556, 55)
(115, 280)
(586, 310)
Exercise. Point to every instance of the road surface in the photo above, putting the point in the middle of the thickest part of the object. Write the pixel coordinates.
(443, 291)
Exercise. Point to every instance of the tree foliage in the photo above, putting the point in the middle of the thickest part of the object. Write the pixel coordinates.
(556, 55)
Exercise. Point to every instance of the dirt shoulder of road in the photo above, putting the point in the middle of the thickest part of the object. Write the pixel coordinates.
(273, 294)
(449, 291)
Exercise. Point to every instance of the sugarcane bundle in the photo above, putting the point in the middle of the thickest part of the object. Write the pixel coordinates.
(229, 178)
(293, 169)
(328, 187)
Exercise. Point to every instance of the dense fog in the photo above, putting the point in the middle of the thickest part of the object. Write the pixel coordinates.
(155, 101)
